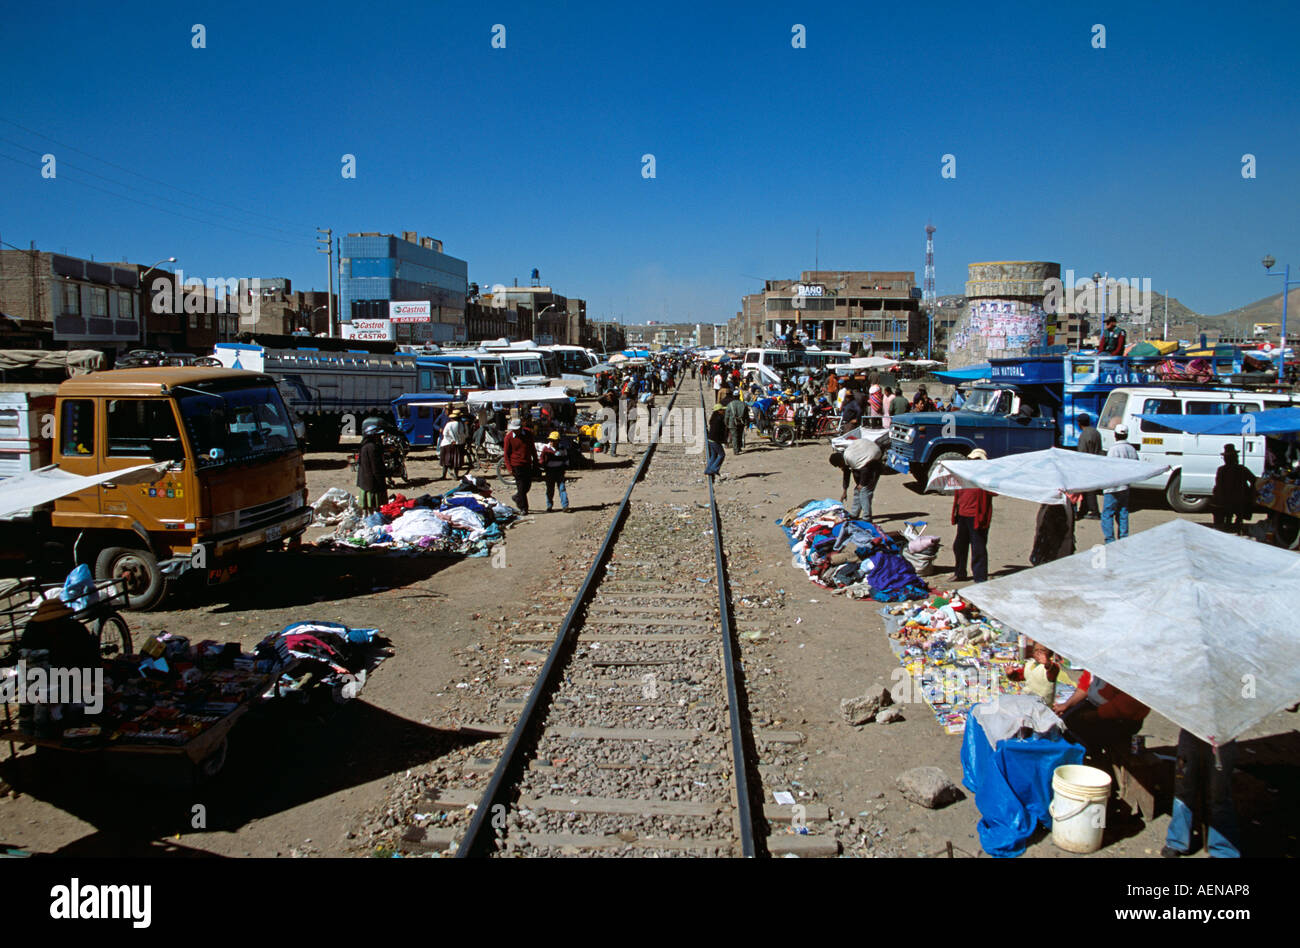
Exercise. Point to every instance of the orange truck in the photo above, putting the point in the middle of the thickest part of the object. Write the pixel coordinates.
(228, 479)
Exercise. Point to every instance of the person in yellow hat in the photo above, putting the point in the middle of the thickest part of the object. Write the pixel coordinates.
(555, 462)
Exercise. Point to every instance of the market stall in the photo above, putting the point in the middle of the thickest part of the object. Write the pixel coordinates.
(1174, 616)
(172, 698)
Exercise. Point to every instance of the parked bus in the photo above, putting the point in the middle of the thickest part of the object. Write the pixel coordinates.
(770, 366)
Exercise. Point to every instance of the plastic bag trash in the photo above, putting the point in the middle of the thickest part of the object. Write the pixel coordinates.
(79, 589)
(333, 505)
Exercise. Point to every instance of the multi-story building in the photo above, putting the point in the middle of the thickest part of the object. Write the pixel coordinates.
(380, 272)
(878, 308)
(85, 304)
(606, 336)
(550, 311)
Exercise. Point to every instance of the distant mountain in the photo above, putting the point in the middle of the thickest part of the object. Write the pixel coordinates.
(1267, 310)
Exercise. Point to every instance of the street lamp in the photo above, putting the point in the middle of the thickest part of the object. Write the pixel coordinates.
(144, 310)
(538, 318)
(1268, 262)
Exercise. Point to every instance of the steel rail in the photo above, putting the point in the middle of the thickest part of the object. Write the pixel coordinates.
(744, 809)
(480, 837)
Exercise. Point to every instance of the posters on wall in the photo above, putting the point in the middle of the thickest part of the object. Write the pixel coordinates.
(1005, 324)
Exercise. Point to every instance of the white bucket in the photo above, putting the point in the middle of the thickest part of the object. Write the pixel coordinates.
(1078, 807)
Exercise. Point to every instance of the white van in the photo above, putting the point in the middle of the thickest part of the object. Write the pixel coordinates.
(1194, 459)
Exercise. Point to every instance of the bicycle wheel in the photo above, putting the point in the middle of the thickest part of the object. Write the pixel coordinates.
(114, 636)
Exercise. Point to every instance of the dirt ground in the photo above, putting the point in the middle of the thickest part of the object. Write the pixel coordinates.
(307, 780)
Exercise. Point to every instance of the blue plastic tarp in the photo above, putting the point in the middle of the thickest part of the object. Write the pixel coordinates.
(970, 374)
(1273, 421)
(1012, 785)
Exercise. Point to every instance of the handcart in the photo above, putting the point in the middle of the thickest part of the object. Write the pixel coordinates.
(98, 612)
(200, 737)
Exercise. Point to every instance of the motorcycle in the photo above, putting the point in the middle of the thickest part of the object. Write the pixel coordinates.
(394, 448)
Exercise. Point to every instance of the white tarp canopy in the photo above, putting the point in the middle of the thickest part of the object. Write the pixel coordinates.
(34, 488)
(922, 362)
(1042, 477)
(513, 396)
(864, 362)
(1196, 624)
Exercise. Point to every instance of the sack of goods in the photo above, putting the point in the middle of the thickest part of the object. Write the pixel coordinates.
(861, 452)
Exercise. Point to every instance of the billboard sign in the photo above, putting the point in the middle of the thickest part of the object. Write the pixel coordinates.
(370, 330)
(417, 311)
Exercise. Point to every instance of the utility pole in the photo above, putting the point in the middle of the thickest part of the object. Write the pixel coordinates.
(328, 249)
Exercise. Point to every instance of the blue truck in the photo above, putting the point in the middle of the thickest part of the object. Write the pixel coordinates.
(1022, 405)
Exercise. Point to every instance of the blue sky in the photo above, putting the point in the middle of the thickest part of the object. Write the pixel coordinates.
(1126, 159)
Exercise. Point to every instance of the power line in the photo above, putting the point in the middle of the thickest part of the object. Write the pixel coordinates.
(137, 174)
(166, 210)
(134, 187)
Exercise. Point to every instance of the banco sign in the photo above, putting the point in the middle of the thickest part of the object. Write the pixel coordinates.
(419, 311)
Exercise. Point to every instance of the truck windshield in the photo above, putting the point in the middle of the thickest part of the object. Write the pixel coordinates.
(984, 401)
(240, 424)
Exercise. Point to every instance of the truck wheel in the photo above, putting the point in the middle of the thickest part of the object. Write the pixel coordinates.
(945, 456)
(145, 583)
(1180, 501)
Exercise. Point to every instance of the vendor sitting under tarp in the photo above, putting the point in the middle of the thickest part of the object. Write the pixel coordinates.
(1100, 716)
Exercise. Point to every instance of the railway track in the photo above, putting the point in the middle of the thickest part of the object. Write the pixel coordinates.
(633, 738)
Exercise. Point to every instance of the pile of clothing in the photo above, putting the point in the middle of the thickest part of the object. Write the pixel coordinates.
(955, 657)
(465, 521)
(850, 555)
(323, 653)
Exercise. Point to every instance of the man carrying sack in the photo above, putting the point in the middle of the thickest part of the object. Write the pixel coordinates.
(861, 462)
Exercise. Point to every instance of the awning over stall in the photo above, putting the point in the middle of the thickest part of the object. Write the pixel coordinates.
(1197, 624)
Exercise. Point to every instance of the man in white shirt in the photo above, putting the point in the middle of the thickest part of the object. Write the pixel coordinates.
(1114, 508)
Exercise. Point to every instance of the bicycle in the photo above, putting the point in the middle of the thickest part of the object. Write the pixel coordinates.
(100, 615)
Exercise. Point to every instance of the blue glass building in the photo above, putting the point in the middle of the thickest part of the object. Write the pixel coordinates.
(377, 268)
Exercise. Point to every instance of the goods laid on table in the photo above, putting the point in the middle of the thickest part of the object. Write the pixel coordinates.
(853, 556)
(463, 522)
(956, 657)
(175, 697)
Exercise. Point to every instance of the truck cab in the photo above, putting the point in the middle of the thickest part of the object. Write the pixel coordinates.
(234, 480)
(1000, 417)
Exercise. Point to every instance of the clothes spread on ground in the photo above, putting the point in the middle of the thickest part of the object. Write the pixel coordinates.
(463, 522)
(324, 653)
(838, 552)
